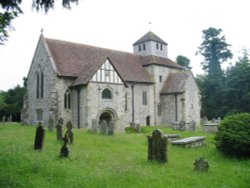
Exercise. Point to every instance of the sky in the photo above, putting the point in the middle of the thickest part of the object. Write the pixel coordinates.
(117, 24)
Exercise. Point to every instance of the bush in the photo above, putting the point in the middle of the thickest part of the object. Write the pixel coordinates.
(233, 136)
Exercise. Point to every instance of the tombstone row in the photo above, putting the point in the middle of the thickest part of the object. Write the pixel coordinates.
(104, 127)
(182, 126)
(7, 119)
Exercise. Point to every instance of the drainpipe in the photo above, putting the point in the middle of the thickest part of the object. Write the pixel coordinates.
(133, 104)
(78, 107)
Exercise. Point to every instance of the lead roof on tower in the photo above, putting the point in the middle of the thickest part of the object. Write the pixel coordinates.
(150, 36)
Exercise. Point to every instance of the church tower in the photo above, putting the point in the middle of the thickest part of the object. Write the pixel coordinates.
(151, 44)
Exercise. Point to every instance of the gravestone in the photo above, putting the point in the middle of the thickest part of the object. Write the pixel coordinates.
(192, 126)
(64, 152)
(110, 128)
(39, 137)
(201, 164)
(59, 129)
(94, 126)
(157, 146)
(182, 126)
(51, 124)
(136, 127)
(4, 119)
(69, 132)
(103, 127)
(10, 120)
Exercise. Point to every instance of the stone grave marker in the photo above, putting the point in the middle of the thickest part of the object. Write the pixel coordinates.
(4, 119)
(51, 124)
(39, 137)
(182, 125)
(69, 132)
(59, 129)
(10, 119)
(201, 164)
(94, 126)
(192, 126)
(64, 152)
(110, 128)
(136, 127)
(157, 146)
(103, 127)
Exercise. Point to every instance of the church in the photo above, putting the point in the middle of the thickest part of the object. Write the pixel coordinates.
(81, 83)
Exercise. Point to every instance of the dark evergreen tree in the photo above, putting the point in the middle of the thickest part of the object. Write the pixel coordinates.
(183, 61)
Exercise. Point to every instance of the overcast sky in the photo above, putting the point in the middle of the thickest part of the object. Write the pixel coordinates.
(117, 24)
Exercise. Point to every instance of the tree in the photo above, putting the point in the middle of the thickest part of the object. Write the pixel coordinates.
(183, 61)
(215, 51)
(238, 85)
(11, 9)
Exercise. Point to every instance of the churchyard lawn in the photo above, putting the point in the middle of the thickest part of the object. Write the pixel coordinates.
(120, 160)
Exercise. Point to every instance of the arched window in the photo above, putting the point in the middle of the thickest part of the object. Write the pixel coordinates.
(106, 94)
(67, 99)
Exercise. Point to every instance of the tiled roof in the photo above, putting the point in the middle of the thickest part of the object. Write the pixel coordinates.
(150, 36)
(149, 60)
(82, 61)
(175, 83)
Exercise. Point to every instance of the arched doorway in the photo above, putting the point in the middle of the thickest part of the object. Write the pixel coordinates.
(105, 116)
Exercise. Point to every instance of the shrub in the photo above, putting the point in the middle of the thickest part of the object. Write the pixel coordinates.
(233, 136)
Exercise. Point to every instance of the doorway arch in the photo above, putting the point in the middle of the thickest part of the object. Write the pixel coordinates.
(107, 114)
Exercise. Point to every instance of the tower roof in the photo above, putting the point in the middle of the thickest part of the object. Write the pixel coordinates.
(150, 36)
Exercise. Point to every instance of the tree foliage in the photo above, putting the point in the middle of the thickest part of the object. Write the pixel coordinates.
(215, 51)
(183, 61)
(10, 9)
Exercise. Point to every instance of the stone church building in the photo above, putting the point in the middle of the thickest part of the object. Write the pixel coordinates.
(81, 83)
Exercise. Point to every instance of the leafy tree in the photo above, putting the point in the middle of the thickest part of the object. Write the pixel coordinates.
(2, 102)
(11, 9)
(238, 85)
(215, 51)
(183, 61)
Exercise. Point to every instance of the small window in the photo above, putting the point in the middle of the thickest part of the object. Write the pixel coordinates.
(160, 78)
(39, 115)
(139, 48)
(144, 46)
(161, 47)
(126, 101)
(144, 98)
(37, 85)
(157, 46)
(67, 100)
(159, 110)
(106, 94)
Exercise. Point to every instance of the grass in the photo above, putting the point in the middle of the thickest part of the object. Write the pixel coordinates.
(112, 161)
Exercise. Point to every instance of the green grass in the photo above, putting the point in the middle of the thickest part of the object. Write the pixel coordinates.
(112, 161)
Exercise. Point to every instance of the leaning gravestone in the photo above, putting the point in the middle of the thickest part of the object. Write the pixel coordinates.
(39, 138)
(51, 124)
(110, 127)
(103, 127)
(59, 129)
(64, 152)
(201, 164)
(69, 132)
(157, 146)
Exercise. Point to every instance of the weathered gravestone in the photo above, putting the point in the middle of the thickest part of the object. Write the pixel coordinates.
(157, 146)
(69, 132)
(64, 152)
(201, 164)
(51, 124)
(182, 126)
(136, 127)
(94, 126)
(103, 127)
(192, 126)
(59, 129)
(10, 118)
(39, 137)
(4, 119)
(110, 128)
